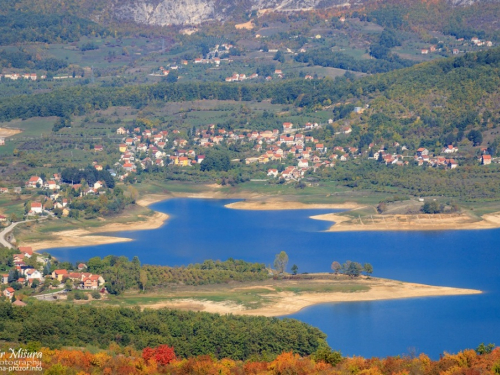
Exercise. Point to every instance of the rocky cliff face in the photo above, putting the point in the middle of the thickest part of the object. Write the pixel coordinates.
(189, 12)
(166, 12)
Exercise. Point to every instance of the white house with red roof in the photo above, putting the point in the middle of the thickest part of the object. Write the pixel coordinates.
(34, 181)
(422, 151)
(129, 167)
(450, 149)
(26, 250)
(9, 292)
(32, 274)
(272, 172)
(287, 126)
(486, 159)
(36, 208)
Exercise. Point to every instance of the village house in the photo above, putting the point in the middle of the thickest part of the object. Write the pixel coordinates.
(34, 182)
(272, 172)
(287, 126)
(303, 163)
(60, 274)
(9, 292)
(129, 167)
(5, 278)
(32, 274)
(452, 164)
(36, 208)
(26, 250)
(121, 131)
(486, 159)
(422, 151)
(450, 149)
(51, 185)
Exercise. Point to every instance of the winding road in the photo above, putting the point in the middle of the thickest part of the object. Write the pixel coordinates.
(7, 230)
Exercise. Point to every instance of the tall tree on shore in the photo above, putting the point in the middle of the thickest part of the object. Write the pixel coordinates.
(336, 267)
(280, 262)
(367, 269)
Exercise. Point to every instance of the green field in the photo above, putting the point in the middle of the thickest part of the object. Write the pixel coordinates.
(249, 295)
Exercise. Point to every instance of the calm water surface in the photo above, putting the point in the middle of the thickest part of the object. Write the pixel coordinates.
(204, 229)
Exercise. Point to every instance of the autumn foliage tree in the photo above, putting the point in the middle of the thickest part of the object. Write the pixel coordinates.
(162, 354)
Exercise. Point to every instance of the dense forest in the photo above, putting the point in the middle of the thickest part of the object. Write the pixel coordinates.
(190, 333)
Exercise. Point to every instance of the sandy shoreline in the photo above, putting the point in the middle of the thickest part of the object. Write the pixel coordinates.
(88, 237)
(263, 205)
(285, 303)
(409, 222)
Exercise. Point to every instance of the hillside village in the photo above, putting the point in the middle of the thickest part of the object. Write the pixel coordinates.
(291, 147)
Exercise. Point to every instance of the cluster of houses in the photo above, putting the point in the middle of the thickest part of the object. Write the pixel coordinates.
(288, 145)
(475, 41)
(53, 185)
(236, 77)
(145, 148)
(29, 274)
(478, 42)
(16, 76)
(278, 73)
(82, 280)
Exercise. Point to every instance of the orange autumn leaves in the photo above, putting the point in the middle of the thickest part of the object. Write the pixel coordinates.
(162, 360)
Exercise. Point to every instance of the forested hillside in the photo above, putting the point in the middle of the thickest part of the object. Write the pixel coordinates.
(428, 104)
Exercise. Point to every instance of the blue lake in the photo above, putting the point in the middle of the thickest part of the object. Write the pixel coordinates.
(205, 229)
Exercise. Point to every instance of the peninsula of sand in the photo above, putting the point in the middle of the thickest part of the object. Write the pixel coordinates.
(277, 301)
(417, 222)
(350, 221)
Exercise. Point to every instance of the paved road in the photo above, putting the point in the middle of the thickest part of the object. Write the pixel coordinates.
(9, 229)
(6, 231)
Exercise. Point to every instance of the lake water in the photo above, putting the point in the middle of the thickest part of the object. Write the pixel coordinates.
(205, 229)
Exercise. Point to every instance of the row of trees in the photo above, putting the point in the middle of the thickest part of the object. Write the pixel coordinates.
(352, 269)
(121, 274)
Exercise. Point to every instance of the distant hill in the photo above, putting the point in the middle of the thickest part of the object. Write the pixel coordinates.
(189, 12)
